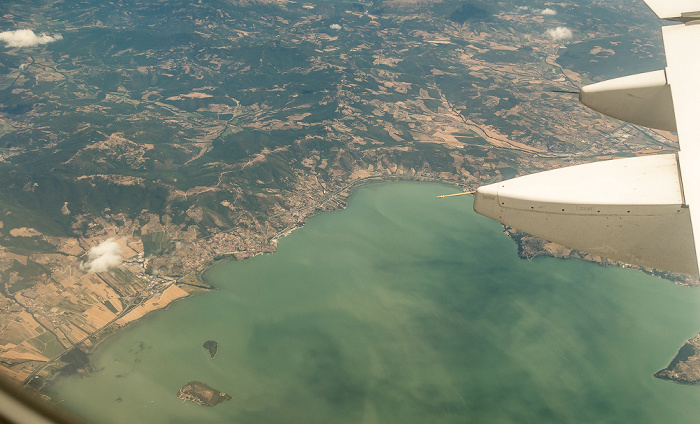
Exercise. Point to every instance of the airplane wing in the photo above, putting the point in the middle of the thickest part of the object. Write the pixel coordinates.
(675, 10)
(641, 210)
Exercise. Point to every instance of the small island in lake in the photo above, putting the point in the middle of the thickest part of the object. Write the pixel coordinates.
(201, 394)
(685, 367)
(212, 347)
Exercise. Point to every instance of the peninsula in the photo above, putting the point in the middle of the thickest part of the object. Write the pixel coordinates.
(685, 367)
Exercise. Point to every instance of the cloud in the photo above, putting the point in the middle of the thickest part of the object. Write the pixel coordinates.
(26, 38)
(104, 256)
(559, 33)
(548, 11)
(336, 27)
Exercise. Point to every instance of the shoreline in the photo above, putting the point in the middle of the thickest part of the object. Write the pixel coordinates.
(195, 282)
(202, 286)
(48, 382)
(268, 307)
(197, 278)
(530, 247)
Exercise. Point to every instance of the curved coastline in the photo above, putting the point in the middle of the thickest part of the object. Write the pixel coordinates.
(99, 342)
(197, 279)
(282, 306)
(199, 283)
(200, 273)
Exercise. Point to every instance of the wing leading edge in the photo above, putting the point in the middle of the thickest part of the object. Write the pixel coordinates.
(637, 210)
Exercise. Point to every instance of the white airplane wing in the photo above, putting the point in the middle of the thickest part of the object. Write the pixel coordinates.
(675, 10)
(642, 210)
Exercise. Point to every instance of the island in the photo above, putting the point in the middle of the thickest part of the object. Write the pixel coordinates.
(201, 394)
(685, 367)
(212, 347)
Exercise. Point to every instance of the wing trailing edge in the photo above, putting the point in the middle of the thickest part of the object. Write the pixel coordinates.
(629, 210)
(643, 99)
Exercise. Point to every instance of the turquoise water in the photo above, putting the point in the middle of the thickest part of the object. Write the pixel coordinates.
(403, 309)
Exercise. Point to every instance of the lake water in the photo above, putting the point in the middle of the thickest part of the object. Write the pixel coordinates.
(403, 309)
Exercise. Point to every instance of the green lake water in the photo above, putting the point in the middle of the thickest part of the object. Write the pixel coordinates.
(403, 309)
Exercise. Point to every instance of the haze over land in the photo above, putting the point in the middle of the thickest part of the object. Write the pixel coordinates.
(181, 133)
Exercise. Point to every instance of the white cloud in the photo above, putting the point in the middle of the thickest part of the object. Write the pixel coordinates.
(548, 11)
(559, 33)
(26, 38)
(336, 27)
(104, 256)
